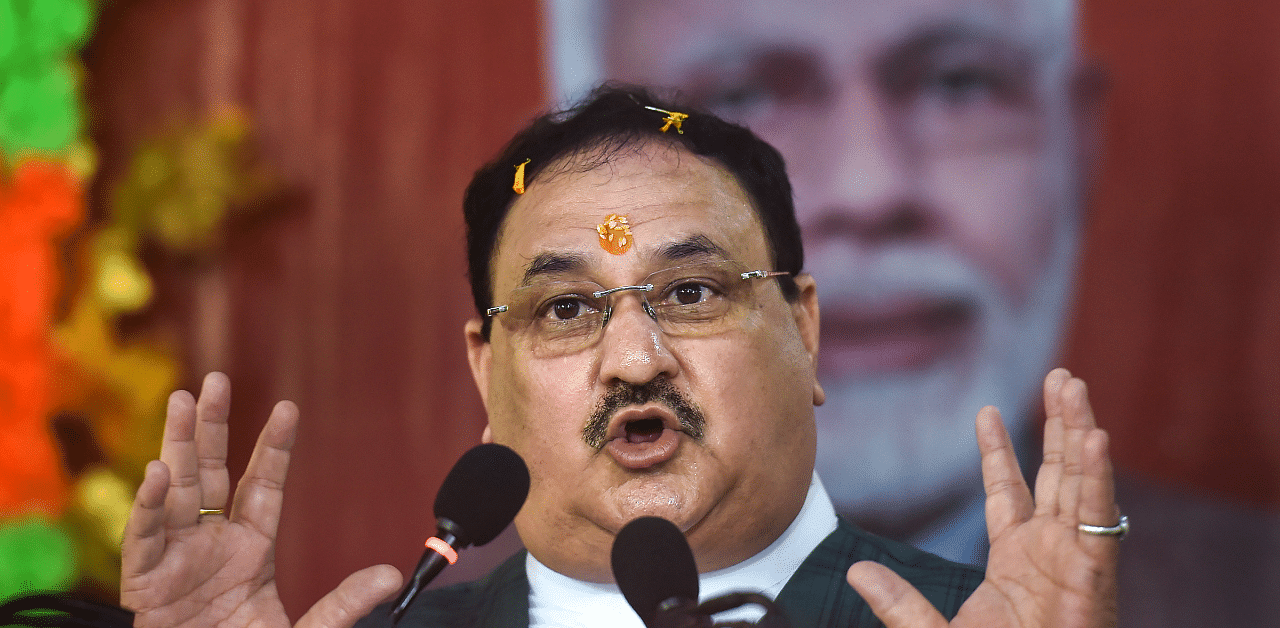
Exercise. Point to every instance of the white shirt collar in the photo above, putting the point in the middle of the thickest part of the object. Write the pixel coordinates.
(558, 601)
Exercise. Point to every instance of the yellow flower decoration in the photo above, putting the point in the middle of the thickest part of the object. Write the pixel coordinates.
(674, 118)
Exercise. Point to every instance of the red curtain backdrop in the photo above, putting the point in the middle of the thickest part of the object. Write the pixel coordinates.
(1178, 317)
(347, 294)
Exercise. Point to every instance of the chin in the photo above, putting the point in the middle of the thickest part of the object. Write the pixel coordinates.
(652, 496)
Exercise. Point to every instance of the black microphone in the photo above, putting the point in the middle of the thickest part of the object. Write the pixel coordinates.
(478, 499)
(654, 567)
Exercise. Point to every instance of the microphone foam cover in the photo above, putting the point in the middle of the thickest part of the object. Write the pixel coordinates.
(482, 493)
(652, 562)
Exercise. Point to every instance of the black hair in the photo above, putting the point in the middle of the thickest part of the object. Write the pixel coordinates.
(608, 121)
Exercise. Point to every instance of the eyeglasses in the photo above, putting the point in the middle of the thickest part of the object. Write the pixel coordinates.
(562, 317)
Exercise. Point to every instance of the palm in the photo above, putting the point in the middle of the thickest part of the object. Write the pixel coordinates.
(181, 568)
(200, 578)
(1048, 583)
(1042, 571)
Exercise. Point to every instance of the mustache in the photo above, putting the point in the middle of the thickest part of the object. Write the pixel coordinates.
(623, 394)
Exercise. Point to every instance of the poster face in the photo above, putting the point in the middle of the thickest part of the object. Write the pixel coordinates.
(932, 151)
(941, 152)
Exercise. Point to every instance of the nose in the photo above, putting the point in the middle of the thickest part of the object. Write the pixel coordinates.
(633, 348)
(870, 187)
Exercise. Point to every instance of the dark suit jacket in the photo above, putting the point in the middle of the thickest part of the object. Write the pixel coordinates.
(817, 595)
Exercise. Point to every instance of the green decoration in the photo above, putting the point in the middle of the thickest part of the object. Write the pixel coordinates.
(8, 33)
(39, 107)
(35, 555)
(40, 32)
(54, 26)
(39, 112)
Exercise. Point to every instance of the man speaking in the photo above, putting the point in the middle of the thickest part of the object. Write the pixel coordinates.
(647, 341)
(939, 152)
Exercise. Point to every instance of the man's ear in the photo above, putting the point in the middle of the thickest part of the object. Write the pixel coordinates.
(805, 310)
(480, 357)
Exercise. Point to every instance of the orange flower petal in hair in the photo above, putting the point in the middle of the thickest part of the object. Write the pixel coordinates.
(615, 234)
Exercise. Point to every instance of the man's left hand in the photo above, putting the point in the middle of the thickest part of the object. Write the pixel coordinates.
(1043, 571)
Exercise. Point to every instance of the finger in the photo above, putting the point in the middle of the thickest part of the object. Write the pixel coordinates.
(1049, 477)
(1077, 423)
(354, 598)
(260, 494)
(1008, 499)
(1052, 388)
(211, 440)
(1050, 473)
(144, 539)
(178, 452)
(892, 599)
(1098, 493)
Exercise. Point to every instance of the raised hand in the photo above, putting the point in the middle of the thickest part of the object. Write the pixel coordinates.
(1042, 571)
(184, 568)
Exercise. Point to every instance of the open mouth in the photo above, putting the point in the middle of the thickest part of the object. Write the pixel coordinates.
(643, 430)
(641, 438)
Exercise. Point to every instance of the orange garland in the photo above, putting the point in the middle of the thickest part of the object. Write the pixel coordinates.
(41, 204)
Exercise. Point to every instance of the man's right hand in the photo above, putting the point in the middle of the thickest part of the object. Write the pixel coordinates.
(181, 568)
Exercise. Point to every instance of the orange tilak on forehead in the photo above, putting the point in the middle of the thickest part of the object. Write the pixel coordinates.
(615, 234)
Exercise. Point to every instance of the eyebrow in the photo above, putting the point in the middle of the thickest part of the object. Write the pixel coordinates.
(552, 263)
(693, 246)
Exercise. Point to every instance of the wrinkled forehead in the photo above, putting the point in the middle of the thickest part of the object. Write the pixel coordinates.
(679, 208)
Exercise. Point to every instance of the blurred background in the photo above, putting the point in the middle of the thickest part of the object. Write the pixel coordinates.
(271, 188)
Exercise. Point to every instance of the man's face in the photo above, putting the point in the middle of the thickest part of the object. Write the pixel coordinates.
(930, 143)
(734, 488)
